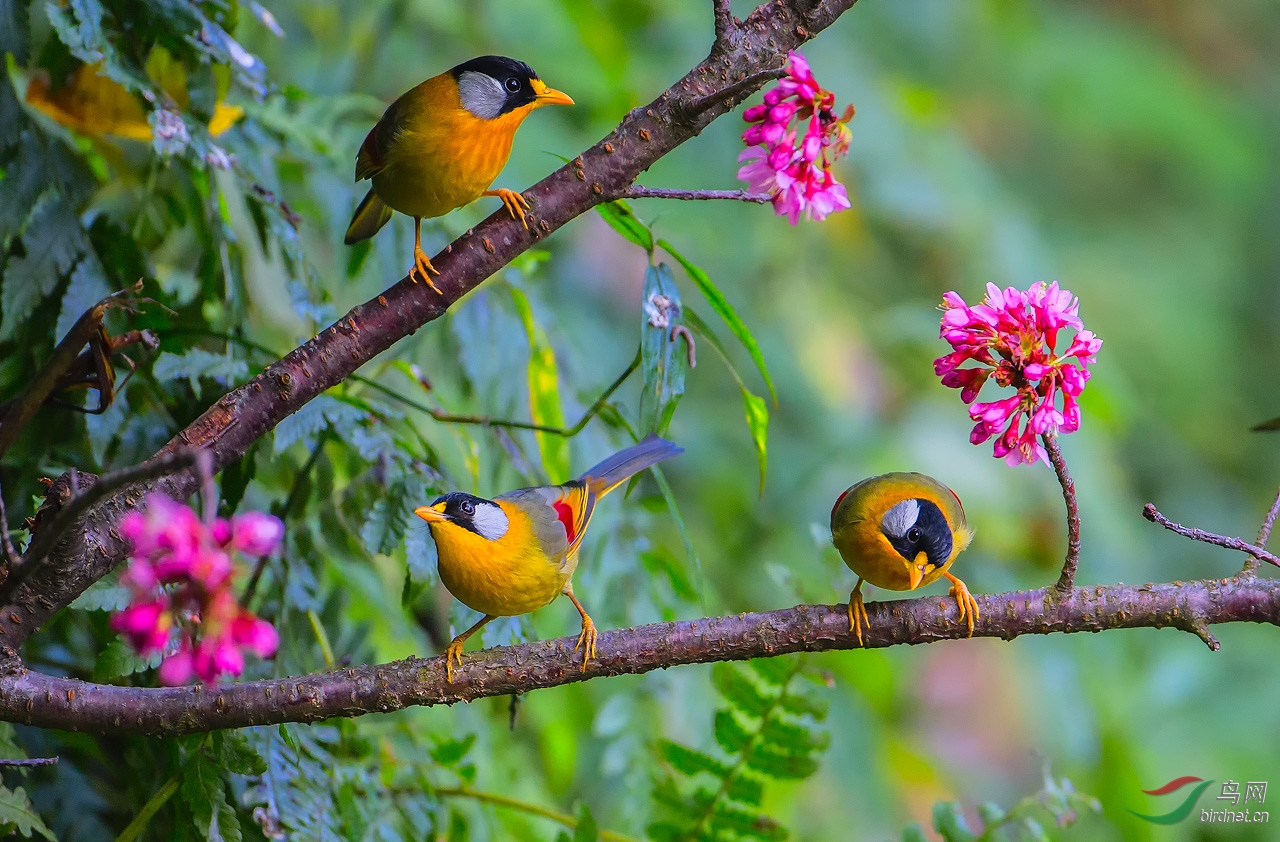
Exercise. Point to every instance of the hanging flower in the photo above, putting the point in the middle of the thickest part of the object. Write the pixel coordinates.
(1013, 337)
(180, 572)
(792, 163)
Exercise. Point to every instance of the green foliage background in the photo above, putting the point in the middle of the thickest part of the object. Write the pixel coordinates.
(1125, 149)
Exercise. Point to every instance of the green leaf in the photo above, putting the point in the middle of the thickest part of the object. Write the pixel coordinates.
(234, 752)
(757, 411)
(106, 594)
(621, 218)
(949, 821)
(544, 392)
(53, 240)
(205, 794)
(8, 748)
(587, 829)
(118, 659)
(18, 815)
(745, 788)
(801, 705)
(450, 752)
(776, 672)
(914, 833)
(663, 359)
(88, 286)
(419, 553)
(387, 522)
(314, 417)
(780, 764)
(738, 690)
(14, 29)
(793, 738)
(730, 734)
(689, 762)
(660, 561)
(725, 310)
(197, 364)
(669, 496)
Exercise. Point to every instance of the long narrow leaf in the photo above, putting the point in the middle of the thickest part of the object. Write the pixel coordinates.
(544, 392)
(621, 218)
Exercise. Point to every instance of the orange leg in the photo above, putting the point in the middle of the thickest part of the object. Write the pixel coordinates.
(968, 605)
(515, 203)
(454, 652)
(858, 612)
(421, 263)
(587, 638)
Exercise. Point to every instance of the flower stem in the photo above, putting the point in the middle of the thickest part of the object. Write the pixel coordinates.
(532, 809)
(1068, 578)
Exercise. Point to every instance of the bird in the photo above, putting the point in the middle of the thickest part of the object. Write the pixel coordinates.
(517, 552)
(441, 145)
(901, 531)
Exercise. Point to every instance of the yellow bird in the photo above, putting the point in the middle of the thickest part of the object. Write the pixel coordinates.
(440, 146)
(517, 552)
(901, 531)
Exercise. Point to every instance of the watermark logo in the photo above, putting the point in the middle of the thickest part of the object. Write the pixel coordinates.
(1255, 792)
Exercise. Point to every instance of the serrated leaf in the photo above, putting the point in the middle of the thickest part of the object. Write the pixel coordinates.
(664, 357)
(307, 423)
(18, 815)
(725, 310)
(949, 821)
(118, 659)
(792, 738)
(385, 527)
(8, 747)
(544, 392)
(745, 824)
(776, 672)
(745, 788)
(234, 752)
(87, 287)
(690, 762)
(205, 794)
(196, 364)
(505, 631)
(106, 594)
(802, 705)
(738, 690)
(778, 764)
(623, 220)
(53, 239)
(421, 563)
(729, 733)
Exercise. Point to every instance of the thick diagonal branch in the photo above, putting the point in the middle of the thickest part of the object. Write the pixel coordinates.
(601, 173)
(48, 702)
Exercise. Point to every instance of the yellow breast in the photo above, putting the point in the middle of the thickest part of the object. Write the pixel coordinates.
(868, 553)
(443, 157)
(506, 577)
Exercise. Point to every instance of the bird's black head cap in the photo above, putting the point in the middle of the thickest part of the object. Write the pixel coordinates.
(918, 526)
(513, 88)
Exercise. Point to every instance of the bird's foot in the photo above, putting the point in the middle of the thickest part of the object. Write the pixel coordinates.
(422, 267)
(587, 641)
(968, 605)
(858, 614)
(451, 654)
(516, 204)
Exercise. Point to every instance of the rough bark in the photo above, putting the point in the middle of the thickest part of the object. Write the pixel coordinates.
(48, 702)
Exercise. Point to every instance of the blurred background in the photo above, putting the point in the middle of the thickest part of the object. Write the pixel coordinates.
(1125, 149)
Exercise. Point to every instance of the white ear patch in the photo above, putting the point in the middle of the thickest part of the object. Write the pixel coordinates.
(490, 521)
(900, 518)
(481, 94)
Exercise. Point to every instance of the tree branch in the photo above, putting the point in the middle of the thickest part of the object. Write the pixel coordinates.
(48, 702)
(723, 16)
(1264, 533)
(601, 173)
(1068, 578)
(635, 191)
(1150, 513)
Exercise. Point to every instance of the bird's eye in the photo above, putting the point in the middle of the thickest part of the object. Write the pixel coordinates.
(513, 85)
(468, 508)
(913, 534)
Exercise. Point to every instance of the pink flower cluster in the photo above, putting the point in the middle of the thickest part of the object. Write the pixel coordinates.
(180, 577)
(1013, 336)
(796, 171)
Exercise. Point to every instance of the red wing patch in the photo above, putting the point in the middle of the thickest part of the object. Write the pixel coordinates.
(369, 161)
(565, 513)
(843, 494)
(957, 496)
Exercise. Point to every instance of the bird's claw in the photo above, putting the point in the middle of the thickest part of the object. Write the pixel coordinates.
(422, 266)
(858, 614)
(515, 204)
(451, 654)
(587, 641)
(968, 605)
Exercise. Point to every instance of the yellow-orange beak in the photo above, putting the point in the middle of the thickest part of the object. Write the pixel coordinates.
(431, 514)
(915, 570)
(549, 96)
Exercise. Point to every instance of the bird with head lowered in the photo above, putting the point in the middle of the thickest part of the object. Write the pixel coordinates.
(901, 531)
(517, 552)
(441, 145)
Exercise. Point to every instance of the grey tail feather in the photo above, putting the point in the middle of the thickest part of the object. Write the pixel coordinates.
(615, 470)
(371, 214)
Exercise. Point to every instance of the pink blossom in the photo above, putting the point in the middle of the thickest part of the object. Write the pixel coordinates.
(180, 575)
(1012, 336)
(795, 170)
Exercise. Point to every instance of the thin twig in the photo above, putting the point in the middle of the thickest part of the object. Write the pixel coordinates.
(1068, 578)
(1150, 512)
(47, 537)
(724, 21)
(1268, 523)
(742, 87)
(532, 809)
(29, 761)
(635, 191)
